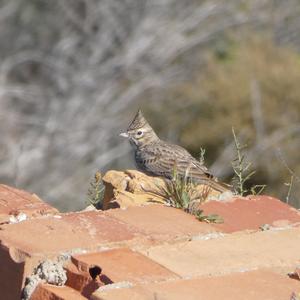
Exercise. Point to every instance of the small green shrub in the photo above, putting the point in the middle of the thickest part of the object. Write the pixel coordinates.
(96, 191)
(180, 192)
(242, 172)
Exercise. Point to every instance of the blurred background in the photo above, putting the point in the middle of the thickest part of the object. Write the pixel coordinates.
(74, 72)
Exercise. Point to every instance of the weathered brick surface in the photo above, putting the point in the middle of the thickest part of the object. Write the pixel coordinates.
(81, 281)
(251, 213)
(117, 265)
(260, 284)
(162, 223)
(156, 251)
(231, 253)
(47, 291)
(64, 232)
(124, 264)
(11, 275)
(24, 244)
(14, 201)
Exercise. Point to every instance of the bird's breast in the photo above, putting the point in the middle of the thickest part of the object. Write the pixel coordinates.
(138, 157)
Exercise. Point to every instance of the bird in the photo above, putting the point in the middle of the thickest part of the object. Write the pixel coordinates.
(156, 157)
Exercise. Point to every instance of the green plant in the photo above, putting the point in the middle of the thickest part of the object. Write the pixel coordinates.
(295, 296)
(242, 172)
(290, 185)
(180, 192)
(96, 191)
(212, 218)
(202, 156)
(293, 176)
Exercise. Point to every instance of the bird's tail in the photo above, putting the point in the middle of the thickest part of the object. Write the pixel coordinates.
(218, 186)
(209, 180)
(200, 175)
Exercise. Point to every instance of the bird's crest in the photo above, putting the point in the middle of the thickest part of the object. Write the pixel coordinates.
(138, 122)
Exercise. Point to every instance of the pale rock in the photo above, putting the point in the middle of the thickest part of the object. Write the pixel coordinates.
(134, 188)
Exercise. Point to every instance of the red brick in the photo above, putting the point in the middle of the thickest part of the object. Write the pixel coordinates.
(24, 244)
(260, 284)
(251, 213)
(54, 234)
(123, 264)
(11, 275)
(81, 280)
(14, 202)
(52, 292)
(235, 252)
(181, 249)
(162, 223)
(231, 253)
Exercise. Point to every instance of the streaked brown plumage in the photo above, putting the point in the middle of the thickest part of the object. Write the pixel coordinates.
(159, 158)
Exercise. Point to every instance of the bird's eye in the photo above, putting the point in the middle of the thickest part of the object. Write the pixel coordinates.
(139, 133)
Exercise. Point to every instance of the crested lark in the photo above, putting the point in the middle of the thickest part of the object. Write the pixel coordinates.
(159, 158)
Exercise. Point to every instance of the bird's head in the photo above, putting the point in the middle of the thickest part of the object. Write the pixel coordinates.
(139, 132)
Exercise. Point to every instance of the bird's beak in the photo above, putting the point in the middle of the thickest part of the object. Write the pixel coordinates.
(124, 134)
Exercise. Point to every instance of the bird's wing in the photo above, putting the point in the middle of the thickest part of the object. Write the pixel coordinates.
(163, 160)
(187, 164)
(192, 168)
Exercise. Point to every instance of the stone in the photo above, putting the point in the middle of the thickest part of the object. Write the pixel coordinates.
(48, 271)
(134, 188)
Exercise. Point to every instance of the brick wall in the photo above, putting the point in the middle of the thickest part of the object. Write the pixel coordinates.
(148, 252)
